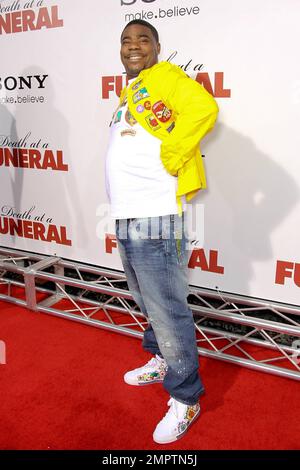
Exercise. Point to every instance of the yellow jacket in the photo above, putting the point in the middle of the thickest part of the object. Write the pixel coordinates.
(179, 111)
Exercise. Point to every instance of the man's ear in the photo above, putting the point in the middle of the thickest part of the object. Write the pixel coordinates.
(158, 48)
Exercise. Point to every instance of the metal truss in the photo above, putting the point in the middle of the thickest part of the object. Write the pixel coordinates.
(253, 333)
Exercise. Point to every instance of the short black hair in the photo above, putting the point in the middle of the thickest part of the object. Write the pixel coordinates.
(144, 23)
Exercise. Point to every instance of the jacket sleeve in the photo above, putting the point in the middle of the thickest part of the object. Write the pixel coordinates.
(195, 111)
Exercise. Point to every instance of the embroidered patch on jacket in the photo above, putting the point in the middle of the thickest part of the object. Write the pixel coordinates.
(140, 108)
(125, 132)
(152, 122)
(135, 87)
(171, 127)
(147, 105)
(161, 111)
(129, 118)
(140, 95)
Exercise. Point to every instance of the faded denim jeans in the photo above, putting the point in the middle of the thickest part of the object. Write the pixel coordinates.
(154, 254)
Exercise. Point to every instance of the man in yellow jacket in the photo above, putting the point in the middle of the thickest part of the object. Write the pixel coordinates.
(153, 165)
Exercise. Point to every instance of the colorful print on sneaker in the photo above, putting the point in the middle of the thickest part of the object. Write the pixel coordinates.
(154, 376)
(191, 413)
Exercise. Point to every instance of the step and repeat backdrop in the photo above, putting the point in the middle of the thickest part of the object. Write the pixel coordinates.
(59, 84)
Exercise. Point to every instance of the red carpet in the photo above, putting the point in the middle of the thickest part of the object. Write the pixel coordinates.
(62, 388)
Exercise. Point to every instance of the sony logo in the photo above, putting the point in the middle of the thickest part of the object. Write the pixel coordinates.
(132, 2)
(22, 83)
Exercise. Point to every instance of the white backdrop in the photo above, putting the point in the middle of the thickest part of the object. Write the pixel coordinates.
(60, 69)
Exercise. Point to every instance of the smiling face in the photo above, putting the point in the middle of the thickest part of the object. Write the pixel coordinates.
(139, 49)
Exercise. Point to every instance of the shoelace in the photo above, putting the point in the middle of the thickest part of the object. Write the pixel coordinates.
(155, 362)
(152, 362)
(173, 408)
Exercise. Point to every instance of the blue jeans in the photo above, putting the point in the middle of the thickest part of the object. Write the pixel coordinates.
(154, 254)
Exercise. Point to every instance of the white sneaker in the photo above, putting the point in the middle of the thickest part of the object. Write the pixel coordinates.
(176, 422)
(152, 372)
